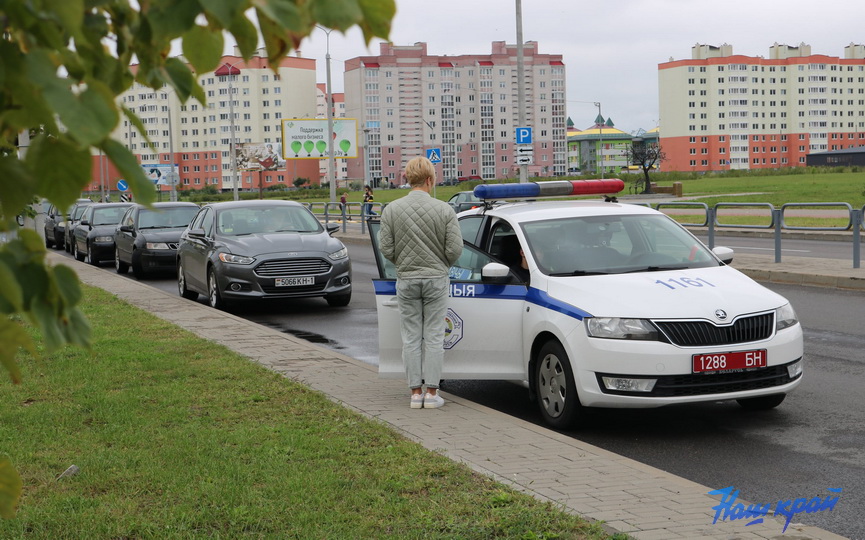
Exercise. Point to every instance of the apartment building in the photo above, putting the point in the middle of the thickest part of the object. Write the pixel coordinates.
(407, 101)
(249, 97)
(722, 111)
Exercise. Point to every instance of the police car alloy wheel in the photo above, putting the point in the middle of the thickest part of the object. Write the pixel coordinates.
(554, 387)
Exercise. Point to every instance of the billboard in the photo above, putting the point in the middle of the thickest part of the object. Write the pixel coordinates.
(306, 138)
(160, 173)
(258, 157)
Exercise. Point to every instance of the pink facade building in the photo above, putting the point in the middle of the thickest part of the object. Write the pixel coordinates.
(407, 102)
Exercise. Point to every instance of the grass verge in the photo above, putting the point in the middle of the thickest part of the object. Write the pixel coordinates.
(176, 437)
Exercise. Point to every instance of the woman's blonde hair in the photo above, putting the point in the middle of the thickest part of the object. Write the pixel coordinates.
(418, 170)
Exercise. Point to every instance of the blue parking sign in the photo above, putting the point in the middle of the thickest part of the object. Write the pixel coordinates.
(434, 155)
(524, 135)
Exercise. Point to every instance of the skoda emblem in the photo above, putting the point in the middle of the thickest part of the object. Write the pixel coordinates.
(721, 314)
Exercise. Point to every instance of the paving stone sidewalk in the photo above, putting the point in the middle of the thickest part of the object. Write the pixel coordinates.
(630, 497)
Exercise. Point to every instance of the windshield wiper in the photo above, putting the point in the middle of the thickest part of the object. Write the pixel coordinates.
(581, 273)
(656, 269)
(155, 227)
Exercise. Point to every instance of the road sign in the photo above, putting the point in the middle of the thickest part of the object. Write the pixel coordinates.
(434, 155)
(122, 185)
(524, 149)
(525, 160)
(524, 135)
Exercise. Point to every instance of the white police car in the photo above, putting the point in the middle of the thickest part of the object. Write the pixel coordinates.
(619, 306)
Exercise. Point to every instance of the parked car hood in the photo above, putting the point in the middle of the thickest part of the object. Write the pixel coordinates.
(161, 235)
(279, 243)
(695, 293)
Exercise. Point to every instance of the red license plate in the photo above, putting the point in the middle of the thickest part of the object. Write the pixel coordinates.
(729, 361)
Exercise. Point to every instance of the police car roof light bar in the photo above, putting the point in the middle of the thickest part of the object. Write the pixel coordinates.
(557, 188)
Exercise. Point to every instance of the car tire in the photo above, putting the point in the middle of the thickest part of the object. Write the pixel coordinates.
(119, 265)
(214, 296)
(48, 242)
(762, 403)
(76, 253)
(182, 289)
(137, 269)
(88, 257)
(338, 300)
(555, 389)
(67, 245)
(59, 242)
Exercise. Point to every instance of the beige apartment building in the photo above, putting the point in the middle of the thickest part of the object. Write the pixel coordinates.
(245, 99)
(407, 102)
(722, 111)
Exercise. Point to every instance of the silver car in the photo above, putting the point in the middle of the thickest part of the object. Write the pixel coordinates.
(247, 250)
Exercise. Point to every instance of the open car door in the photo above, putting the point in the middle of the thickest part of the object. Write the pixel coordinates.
(484, 337)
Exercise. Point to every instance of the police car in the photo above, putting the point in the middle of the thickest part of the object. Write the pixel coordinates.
(618, 306)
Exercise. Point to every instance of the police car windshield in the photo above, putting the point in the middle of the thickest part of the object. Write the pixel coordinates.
(596, 245)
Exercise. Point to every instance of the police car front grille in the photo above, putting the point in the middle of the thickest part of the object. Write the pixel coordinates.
(699, 384)
(705, 334)
(293, 267)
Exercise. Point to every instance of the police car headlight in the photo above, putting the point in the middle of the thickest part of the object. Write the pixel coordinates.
(103, 239)
(156, 245)
(339, 254)
(235, 259)
(785, 317)
(618, 328)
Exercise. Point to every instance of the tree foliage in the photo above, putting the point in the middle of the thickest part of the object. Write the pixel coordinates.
(645, 156)
(62, 65)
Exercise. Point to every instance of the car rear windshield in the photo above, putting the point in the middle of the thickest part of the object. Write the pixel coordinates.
(166, 218)
(267, 220)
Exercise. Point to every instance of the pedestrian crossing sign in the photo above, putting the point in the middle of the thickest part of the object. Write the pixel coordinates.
(434, 155)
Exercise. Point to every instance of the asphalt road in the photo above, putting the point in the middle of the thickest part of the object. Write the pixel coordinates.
(815, 440)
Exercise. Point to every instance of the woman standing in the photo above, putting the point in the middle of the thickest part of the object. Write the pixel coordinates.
(367, 202)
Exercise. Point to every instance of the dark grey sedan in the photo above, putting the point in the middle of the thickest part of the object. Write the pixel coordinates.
(93, 238)
(247, 250)
(147, 238)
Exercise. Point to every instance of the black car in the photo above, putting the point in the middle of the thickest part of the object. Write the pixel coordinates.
(93, 240)
(248, 250)
(147, 238)
(74, 218)
(55, 225)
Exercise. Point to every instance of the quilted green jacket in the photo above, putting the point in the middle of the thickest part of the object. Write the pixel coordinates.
(420, 235)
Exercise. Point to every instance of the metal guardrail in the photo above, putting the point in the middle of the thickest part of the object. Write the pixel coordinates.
(777, 221)
(328, 212)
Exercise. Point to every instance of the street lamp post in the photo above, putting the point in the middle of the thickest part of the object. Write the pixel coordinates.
(331, 165)
(521, 89)
(600, 157)
(231, 142)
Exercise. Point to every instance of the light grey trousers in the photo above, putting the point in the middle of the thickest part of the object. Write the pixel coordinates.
(422, 308)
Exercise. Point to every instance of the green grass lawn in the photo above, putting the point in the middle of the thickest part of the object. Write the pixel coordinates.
(176, 437)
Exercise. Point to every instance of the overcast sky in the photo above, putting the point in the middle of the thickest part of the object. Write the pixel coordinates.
(611, 50)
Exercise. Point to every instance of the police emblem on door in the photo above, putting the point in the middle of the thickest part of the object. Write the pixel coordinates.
(453, 329)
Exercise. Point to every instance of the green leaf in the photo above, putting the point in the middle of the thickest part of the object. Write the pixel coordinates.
(171, 19)
(225, 11)
(13, 336)
(286, 14)
(10, 289)
(67, 284)
(338, 14)
(275, 38)
(17, 186)
(245, 34)
(183, 81)
(131, 171)
(202, 46)
(10, 488)
(377, 18)
(60, 184)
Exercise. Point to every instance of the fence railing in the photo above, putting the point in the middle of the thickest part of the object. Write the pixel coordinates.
(777, 220)
(334, 212)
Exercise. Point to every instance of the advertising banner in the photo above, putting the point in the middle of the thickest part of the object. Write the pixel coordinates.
(258, 156)
(307, 138)
(160, 173)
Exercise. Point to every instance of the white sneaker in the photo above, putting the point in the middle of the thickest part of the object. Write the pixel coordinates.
(417, 401)
(432, 401)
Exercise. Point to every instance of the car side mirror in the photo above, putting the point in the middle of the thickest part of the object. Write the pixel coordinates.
(126, 228)
(724, 253)
(196, 233)
(495, 273)
(84, 222)
(331, 228)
